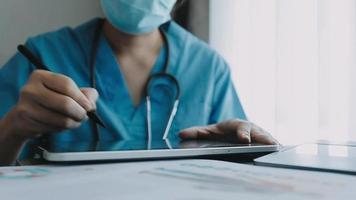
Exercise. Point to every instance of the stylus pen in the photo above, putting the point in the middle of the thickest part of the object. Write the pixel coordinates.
(35, 61)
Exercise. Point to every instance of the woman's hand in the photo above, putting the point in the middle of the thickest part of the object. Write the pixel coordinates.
(49, 103)
(236, 131)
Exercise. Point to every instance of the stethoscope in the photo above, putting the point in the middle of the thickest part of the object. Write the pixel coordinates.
(164, 74)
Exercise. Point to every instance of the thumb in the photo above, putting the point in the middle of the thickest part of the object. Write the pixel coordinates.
(91, 94)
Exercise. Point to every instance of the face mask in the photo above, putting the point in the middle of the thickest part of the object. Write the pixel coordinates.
(137, 16)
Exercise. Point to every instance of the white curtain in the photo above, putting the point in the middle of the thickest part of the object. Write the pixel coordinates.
(293, 64)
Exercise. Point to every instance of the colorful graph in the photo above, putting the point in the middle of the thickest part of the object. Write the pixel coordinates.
(23, 173)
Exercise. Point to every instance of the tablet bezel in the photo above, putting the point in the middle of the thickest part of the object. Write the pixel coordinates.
(153, 154)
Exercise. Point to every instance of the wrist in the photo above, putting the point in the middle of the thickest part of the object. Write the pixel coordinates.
(9, 129)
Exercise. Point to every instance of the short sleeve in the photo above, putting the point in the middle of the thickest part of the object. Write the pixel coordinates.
(226, 103)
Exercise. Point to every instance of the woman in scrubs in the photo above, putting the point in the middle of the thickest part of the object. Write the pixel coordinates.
(130, 47)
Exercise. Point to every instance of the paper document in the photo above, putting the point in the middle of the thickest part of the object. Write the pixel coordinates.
(182, 179)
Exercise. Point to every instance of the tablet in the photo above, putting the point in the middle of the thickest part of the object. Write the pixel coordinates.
(138, 150)
(339, 158)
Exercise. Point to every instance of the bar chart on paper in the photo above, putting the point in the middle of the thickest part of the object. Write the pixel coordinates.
(182, 179)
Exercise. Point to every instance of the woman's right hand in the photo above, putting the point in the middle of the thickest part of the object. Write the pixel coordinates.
(49, 103)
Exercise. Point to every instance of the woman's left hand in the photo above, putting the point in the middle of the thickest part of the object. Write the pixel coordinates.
(236, 131)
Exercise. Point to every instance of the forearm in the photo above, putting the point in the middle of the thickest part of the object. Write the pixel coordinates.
(10, 143)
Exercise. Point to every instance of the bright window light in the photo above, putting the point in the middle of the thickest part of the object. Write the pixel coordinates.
(293, 64)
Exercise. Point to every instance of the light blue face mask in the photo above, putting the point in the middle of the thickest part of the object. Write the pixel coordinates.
(137, 16)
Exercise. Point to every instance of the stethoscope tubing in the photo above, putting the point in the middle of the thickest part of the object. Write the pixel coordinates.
(153, 77)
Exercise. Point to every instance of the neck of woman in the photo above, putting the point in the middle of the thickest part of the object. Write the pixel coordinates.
(124, 43)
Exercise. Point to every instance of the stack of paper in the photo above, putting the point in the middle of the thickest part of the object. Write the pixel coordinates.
(182, 179)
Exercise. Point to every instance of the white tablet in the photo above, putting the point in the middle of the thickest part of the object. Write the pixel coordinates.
(140, 150)
(339, 158)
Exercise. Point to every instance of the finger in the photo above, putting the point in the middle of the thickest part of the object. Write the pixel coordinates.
(243, 132)
(53, 101)
(64, 85)
(210, 132)
(34, 129)
(91, 94)
(258, 135)
(188, 144)
(195, 133)
(29, 126)
(53, 121)
(236, 130)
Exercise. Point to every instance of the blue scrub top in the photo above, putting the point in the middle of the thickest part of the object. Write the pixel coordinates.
(207, 92)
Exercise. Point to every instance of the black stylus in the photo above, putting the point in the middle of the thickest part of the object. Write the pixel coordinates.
(35, 61)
